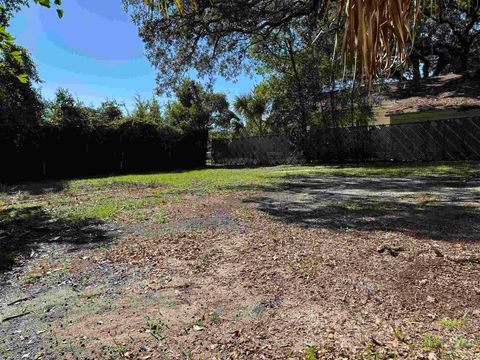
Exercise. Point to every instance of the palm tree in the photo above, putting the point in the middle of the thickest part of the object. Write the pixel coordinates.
(253, 109)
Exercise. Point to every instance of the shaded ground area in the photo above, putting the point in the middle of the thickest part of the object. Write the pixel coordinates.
(29, 235)
(37, 188)
(446, 208)
(319, 266)
(30, 232)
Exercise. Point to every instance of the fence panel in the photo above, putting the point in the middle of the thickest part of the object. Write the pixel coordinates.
(254, 150)
(452, 139)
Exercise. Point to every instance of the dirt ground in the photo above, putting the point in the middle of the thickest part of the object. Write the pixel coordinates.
(330, 267)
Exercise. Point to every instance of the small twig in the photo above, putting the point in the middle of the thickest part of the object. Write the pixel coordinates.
(16, 316)
(19, 301)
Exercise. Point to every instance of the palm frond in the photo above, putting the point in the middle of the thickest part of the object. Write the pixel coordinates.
(377, 32)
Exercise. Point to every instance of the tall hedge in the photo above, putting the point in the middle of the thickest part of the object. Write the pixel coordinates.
(49, 151)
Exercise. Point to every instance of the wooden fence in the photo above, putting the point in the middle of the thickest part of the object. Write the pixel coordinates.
(452, 139)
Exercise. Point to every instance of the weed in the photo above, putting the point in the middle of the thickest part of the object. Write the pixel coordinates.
(200, 322)
(372, 205)
(392, 250)
(215, 317)
(399, 335)
(371, 356)
(308, 267)
(103, 212)
(368, 353)
(172, 303)
(103, 249)
(460, 342)
(311, 352)
(215, 179)
(154, 328)
(432, 342)
(161, 218)
(120, 350)
(85, 280)
(33, 277)
(451, 323)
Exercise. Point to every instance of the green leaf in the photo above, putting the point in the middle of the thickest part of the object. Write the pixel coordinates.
(17, 55)
(4, 35)
(45, 3)
(23, 78)
(58, 2)
(60, 13)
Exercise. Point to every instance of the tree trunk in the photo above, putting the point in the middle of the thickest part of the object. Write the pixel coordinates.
(302, 128)
(416, 67)
(426, 69)
(464, 60)
(441, 64)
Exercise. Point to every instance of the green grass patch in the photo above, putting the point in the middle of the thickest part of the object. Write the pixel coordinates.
(431, 342)
(451, 323)
(460, 343)
(136, 197)
(221, 179)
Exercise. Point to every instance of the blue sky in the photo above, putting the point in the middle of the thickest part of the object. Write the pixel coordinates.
(94, 51)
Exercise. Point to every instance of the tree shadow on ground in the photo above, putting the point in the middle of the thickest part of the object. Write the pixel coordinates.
(24, 232)
(446, 208)
(34, 188)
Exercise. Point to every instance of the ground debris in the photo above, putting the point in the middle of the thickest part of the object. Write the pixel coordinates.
(16, 316)
(392, 250)
(464, 259)
(19, 301)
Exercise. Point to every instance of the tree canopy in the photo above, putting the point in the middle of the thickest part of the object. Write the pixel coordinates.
(198, 108)
(215, 36)
(447, 39)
